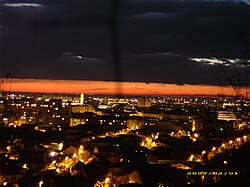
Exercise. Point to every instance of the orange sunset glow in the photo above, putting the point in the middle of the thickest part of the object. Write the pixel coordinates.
(105, 87)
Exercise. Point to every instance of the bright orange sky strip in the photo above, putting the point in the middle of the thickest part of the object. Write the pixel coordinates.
(105, 87)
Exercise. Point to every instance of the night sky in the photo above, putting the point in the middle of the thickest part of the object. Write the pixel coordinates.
(164, 41)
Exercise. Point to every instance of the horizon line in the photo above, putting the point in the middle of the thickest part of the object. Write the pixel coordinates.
(115, 88)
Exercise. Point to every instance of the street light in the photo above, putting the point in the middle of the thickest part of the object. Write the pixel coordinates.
(52, 153)
(41, 183)
(191, 158)
(196, 135)
(107, 180)
(58, 171)
(25, 166)
(8, 148)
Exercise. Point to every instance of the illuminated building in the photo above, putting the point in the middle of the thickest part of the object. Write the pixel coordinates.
(226, 116)
(143, 102)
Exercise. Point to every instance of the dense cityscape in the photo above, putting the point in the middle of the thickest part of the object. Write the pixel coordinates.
(103, 141)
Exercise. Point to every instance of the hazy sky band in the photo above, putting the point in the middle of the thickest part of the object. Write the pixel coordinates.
(105, 87)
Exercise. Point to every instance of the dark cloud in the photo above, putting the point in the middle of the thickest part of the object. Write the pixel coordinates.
(64, 39)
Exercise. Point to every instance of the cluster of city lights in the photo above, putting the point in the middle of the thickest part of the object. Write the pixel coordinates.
(210, 154)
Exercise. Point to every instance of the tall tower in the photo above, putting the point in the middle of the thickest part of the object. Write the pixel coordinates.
(82, 99)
